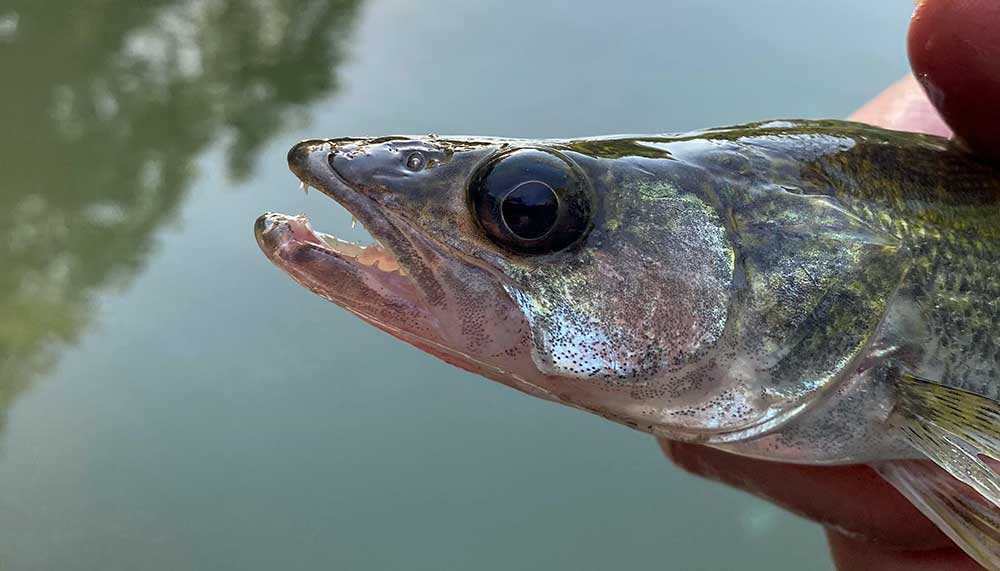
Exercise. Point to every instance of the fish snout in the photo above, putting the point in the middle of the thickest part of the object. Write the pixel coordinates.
(266, 231)
(302, 156)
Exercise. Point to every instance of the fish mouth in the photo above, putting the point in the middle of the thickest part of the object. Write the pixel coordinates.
(373, 281)
(399, 284)
(283, 238)
(278, 233)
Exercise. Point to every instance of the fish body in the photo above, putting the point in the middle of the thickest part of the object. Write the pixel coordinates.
(806, 291)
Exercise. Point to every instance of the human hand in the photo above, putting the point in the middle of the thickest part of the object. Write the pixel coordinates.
(954, 48)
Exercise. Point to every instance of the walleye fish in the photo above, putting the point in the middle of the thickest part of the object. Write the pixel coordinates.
(815, 292)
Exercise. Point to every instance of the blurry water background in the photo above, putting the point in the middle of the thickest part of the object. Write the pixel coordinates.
(171, 401)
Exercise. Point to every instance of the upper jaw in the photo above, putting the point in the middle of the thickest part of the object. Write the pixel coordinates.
(309, 161)
(365, 280)
(417, 254)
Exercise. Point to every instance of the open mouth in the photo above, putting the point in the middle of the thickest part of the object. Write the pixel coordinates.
(325, 260)
(294, 231)
(368, 279)
(401, 283)
(297, 248)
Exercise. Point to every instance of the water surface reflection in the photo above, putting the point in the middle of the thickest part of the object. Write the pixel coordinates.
(104, 118)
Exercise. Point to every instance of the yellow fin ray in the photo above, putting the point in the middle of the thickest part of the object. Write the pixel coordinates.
(955, 429)
(964, 516)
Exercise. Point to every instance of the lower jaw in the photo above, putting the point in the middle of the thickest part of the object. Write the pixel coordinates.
(296, 229)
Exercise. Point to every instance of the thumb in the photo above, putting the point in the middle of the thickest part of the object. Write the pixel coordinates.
(954, 48)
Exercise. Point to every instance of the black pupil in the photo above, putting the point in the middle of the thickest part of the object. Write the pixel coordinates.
(530, 210)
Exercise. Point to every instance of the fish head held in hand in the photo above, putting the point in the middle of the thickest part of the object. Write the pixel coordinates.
(805, 291)
(687, 286)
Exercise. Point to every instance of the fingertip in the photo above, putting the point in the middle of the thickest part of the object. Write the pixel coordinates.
(954, 49)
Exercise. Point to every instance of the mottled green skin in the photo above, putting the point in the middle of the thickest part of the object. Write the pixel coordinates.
(938, 206)
(943, 205)
(945, 208)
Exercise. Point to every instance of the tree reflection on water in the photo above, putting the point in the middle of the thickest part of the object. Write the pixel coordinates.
(105, 107)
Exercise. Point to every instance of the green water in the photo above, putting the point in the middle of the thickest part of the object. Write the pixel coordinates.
(171, 401)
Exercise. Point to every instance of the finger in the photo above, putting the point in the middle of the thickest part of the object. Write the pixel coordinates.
(854, 500)
(852, 553)
(905, 107)
(954, 49)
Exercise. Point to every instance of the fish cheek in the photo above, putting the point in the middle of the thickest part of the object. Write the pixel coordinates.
(645, 298)
(626, 332)
(482, 322)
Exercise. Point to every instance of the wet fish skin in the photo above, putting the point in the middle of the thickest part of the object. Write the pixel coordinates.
(874, 250)
(775, 261)
(934, 210)
(818, 292)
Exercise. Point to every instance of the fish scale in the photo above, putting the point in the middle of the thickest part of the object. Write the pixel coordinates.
(944, 205)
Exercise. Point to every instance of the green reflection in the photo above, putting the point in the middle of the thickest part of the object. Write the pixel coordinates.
(106, 105)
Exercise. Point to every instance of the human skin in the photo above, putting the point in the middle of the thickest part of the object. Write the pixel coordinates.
(954, 49)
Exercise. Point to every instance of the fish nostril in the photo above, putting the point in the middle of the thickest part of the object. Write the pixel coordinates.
(339, 154)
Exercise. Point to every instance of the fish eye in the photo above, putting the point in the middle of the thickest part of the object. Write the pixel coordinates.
(415, 161)
(530, 210)
(531, 201)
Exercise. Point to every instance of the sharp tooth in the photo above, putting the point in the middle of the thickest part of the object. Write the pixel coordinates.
(303, 187)
(354, 222)
(342, 247)
(374, 256)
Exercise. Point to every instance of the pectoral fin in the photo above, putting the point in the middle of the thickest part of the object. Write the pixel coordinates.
(955, 429)
(952, 427)
(967, 518)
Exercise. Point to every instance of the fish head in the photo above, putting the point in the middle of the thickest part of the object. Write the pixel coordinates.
(554, 268)
(425, 280)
